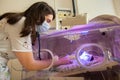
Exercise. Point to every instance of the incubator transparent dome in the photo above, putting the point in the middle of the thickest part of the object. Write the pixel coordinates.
(89, 46)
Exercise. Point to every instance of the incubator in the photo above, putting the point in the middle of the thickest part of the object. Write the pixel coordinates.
(90, 47)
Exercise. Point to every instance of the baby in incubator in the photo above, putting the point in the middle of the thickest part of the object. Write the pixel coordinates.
(85, 59)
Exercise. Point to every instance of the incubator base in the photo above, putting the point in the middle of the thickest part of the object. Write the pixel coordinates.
(66, 78)
(78, 70)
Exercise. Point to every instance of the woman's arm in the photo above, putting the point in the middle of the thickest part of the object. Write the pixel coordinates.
(29, 63)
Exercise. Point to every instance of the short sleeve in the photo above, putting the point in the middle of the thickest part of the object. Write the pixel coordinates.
(2, 23)
(19, 44)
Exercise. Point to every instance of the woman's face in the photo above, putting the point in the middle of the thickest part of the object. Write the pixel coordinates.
(49, 18)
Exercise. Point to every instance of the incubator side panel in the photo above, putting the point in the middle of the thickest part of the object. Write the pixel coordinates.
(92, 49)
(116, 43)
(67, 44)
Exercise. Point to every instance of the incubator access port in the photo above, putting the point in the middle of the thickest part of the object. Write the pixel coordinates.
(91, 55)
(103, 33)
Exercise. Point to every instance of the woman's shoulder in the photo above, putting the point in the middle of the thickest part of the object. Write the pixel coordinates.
(22, 19)
(3, 22)
(15, 27)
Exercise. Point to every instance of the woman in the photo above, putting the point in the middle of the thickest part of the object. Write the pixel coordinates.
(20, 30)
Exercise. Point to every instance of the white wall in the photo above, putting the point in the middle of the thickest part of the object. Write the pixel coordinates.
(18, 5)
(116, 4)
(92, 8)
(95, 7)
(63, 4)
(21, 5)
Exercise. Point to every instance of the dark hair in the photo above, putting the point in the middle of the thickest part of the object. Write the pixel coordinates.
(12, 17)
(35, 14)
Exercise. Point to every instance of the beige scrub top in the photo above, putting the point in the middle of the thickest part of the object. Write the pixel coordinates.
(10, 39)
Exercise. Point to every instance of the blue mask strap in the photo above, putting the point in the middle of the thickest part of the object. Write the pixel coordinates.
(38, 36)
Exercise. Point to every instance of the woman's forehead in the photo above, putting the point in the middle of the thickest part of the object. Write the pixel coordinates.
(49, 18)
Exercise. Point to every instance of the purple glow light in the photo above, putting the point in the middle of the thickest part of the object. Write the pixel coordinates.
(86, 56)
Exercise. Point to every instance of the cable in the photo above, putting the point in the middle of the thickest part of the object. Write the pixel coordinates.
(46, 50)
(74, 10)
(38, 36)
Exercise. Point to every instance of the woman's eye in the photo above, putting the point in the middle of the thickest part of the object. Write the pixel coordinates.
(48, 21)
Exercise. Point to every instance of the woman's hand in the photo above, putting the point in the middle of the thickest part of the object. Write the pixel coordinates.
(62, 61)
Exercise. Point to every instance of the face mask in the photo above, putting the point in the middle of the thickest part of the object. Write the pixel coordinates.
(44, 27)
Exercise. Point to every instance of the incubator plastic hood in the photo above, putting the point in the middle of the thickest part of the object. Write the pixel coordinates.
(89, 46)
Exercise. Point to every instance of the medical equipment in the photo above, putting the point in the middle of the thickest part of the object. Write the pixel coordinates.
(91, 47)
